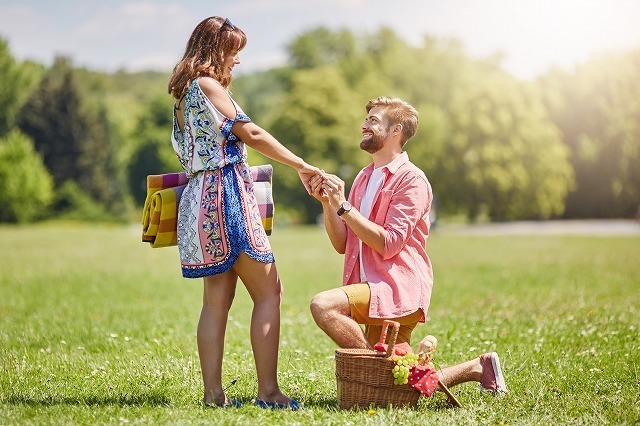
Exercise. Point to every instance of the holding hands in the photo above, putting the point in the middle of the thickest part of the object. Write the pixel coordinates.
(328, 189)
(307, 172)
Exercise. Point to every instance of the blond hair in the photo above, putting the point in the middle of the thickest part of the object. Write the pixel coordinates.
(397, 112)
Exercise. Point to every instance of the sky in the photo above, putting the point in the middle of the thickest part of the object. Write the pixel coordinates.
(135, 35)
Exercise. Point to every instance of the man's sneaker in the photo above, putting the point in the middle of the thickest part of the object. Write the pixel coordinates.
(492, 378)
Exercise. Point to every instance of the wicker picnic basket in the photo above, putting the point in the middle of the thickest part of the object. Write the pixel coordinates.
(365, 377)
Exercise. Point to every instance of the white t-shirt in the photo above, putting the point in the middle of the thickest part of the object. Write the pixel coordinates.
(373, 186)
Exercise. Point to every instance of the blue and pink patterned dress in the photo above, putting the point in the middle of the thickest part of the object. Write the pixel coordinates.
(218, 217)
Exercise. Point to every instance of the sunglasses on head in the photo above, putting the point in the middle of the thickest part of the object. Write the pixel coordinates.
(227, 22)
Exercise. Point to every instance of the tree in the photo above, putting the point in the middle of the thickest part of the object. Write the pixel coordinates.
(262, 92)
(72, 137)
(155, 153)
(597, 107)
(503, 156)
(320, 124)
(320, 47)
(27, 187)
(484, 139)
(17, 80)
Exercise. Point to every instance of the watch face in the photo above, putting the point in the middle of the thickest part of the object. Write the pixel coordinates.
(344, 207)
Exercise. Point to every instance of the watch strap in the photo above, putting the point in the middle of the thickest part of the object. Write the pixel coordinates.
(341, 210)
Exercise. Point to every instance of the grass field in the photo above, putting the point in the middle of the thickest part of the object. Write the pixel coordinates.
(97, 328)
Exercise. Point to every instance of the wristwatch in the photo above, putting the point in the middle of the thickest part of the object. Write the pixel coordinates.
(345, 206)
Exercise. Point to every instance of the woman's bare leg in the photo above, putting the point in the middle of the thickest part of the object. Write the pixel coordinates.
(264, 287)
(219, 291)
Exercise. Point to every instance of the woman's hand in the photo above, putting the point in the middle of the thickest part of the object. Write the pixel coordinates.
(306, 173)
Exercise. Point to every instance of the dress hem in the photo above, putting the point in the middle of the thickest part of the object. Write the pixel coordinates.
(210, 270)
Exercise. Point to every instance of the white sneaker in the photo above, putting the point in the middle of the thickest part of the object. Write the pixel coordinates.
(492, 377)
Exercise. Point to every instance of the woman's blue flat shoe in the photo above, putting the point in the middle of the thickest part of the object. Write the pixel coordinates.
(232, 403)
(293, 405)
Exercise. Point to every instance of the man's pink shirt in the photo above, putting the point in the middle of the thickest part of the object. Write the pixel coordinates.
(401, 278)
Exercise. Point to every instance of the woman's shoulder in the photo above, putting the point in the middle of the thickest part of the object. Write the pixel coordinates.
(211, 86)
(218, 96)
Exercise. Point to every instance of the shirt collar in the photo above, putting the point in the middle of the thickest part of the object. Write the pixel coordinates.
(393, 166)
(399, 161)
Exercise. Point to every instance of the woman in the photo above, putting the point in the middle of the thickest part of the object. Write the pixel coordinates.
(220, 235)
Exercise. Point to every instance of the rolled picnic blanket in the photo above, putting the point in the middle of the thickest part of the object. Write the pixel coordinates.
(160, 213)
(262, 189)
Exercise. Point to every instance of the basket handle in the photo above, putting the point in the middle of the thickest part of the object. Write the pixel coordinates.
(395, 327)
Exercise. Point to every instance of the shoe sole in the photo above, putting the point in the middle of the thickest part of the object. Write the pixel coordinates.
(500, 383)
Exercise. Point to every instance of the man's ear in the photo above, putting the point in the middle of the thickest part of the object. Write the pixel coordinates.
(397, 129)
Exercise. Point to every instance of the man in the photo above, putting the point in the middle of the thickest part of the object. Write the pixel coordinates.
(382, 230)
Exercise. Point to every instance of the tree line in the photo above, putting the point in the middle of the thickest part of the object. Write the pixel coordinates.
(76, 143)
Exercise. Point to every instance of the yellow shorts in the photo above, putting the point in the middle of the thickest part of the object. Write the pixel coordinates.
(359, 296)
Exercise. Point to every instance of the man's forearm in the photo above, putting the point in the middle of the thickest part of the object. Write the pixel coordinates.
(335, 228)
(370, 233)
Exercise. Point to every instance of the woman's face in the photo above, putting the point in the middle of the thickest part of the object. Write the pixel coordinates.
(228, 64)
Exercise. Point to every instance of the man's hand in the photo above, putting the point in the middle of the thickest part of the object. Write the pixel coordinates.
(317, 191)
(335, 227)
(333, 186)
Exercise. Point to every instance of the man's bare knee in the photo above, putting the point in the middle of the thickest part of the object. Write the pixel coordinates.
(326, 305)
(319, 307)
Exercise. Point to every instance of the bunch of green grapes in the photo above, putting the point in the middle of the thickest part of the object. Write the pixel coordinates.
(402, 367)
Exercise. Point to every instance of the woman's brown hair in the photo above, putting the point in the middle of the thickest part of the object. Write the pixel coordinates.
(211, 42)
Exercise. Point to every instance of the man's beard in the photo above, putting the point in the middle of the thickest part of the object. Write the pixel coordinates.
(373, 143)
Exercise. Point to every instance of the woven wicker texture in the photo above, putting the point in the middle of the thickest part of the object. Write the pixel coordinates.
(365, 377)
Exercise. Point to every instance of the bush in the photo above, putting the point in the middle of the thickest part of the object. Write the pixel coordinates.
(73, 203)
(27, 186)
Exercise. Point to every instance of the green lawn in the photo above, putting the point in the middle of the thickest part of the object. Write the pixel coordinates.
(97, 328)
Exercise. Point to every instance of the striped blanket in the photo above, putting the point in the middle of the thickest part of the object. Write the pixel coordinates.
(262, 177)
(160, 212)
